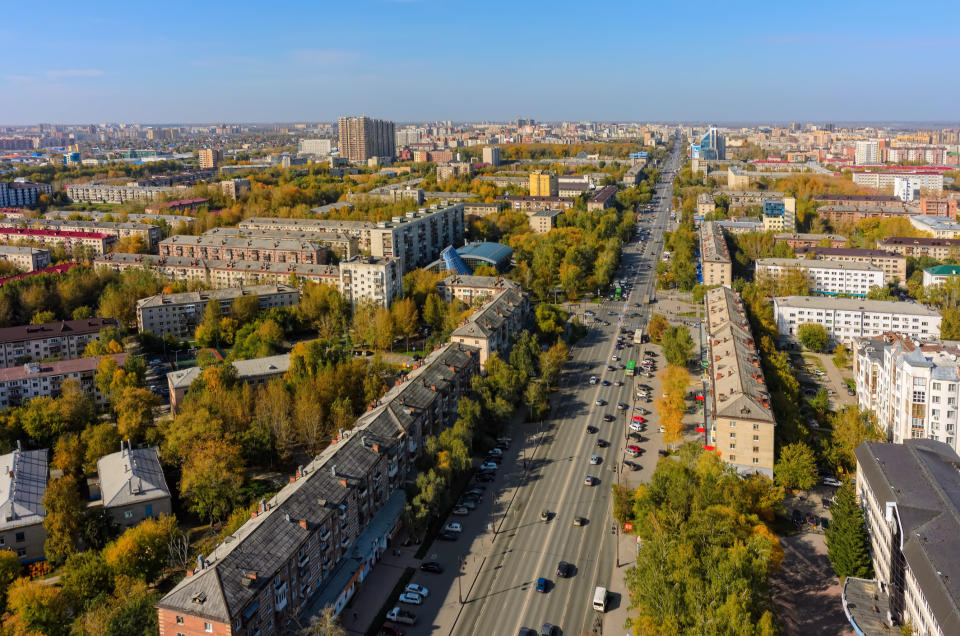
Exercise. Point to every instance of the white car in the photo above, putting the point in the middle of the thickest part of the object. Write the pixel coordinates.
(411, 599)
(594, 460)
(488, 466)
(461, 511)
(636, 426)
(589, 480)
(452, 527)
(413, 588)
(496, 451)
(593, 379)
(831, 481)
(659, 429)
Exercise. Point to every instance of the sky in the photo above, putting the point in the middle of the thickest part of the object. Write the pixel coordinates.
(426, 60)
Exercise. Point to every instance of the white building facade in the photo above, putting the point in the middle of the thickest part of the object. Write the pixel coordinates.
(831, 278)
(846, 318)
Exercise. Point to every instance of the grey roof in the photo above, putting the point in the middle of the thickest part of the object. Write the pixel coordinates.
(266, 542)
(846, 251)
(493, 283)
(492, 252)
(548, 213)
(923, 478)
(855, 304)
(811, 263)
(59, 329)
(295, 234)
(23, 482)
(228, 293)
(270, 365)
(20, 249)
(489, 318)
(205, 264)
(236, 242)
(130, 476)
(786, 236)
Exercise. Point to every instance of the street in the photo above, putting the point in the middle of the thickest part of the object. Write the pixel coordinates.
(506, 547)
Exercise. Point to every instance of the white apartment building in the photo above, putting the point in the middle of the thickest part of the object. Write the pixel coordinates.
(907, 188)
(933, 276)
(930, 181)
(315, 146)
(937, 226)
(115, 194)
(849, 318)
(25, 258)
(867, 153)
(371, 279)
(179, 315)
(831, 278)
(491, 155)
(908, 495)
(913, 388)
(63, 340)
(35, 379)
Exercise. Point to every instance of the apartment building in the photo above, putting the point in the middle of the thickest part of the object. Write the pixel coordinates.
(604, 198)
(542, 221)
(23, 483)
(715, 260)
(149, 234)
(25, 258)
(931, 182)
(315, 542)
(98, 242)
(321, 147)
(132, 485)
(63, 339)
(538, 203)
(492, 325)
(572, 189)
(741, 422)
(114, 194)
(345, 246)
(705, 204)
(779, 215)
(937, 207)
(21, 193)
(491, 155)
(235, 188)
(255, 372)
(940, 249)
(179, 315)
(544, 184)
(830, 278)
(473, 289)
(93, 215)
(908, 495)
(936, 226)
(867, 152)
(933, 276)
(912, 387)
(796, 240)
(741, 225)
(855, 199)
(370, 279)
(179, 205)
(835, 213)
(894, 266)
(220, 274)
(36, 379)
(223, 248)
(210, 158)
(453, 169)
(362, 138)
(847, 318)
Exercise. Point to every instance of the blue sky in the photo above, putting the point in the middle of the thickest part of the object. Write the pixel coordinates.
(81, 62)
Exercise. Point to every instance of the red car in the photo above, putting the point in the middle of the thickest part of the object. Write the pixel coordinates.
(638, 418)
(633, 450)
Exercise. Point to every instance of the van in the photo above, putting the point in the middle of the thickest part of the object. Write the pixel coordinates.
(600, 599)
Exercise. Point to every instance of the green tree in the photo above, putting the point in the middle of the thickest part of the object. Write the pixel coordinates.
(851, 427)
(9, 572)
(208, 333)
(535, 397)
(677, 346)
(35, 608)
(64, 516)
(98, 440)
(551, 363)
(142, 550)
(134, 408)
(68, 455)
(848, 543)
(813, 336)
(245, 308)
(85, 579)
(656, 327)
(841, 357)
(211, 480)
(796, 468)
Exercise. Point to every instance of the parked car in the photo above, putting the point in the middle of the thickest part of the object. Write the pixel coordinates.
(488, 466)
(399, 615)
(411, 599)
(639, 419)
(496, 451)
(414, 588)
(593, 379)
(431, 566)
(832, 481)
(389, 629)
(797, 517)
(600, 402)
(461, 511)
(605, 383)
(633, 450)
(824, 523)
(663, 453)
(636, 426)
(453, 526)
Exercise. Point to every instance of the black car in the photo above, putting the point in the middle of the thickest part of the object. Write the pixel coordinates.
(548, 630)
(797, 517)
(447, 536)
(431, 566)
(602, 443)
(591, 430)
(608, 418)
(824, 523)
(564, 570)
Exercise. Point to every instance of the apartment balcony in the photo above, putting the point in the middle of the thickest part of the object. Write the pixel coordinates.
(324, 536)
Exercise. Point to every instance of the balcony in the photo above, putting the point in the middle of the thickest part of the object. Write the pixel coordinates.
(303, 560)
(345, 540)
(323, 537)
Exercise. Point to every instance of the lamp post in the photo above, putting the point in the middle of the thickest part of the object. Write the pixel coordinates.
(459, 576)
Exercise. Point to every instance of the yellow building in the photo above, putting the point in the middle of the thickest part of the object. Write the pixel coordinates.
(543, 184)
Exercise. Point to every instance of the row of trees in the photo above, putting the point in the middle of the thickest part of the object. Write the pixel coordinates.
(671, 404)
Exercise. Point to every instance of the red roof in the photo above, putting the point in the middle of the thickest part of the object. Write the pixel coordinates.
(20, 231)
(56, 269)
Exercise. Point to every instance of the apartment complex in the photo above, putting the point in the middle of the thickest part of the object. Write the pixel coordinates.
(25, 258)
(603, 198)
(741, 423)
(544, 184)
(235, 188)
(315, 146)
(846, 318)
(489, 328)
(867, 152)
(23, 483)
(836, 213)
(362, 138)
(98, 242)
(473, 289)
(931, 182)
(912, 387)
(371, 279)
(149, 234)
(908, 495)
(705, 204)
(132, 485)
(113, 194)
(715, 255)
(179, 205)
(937, 226)
(222, 248)
(21, 193)
(255, 372)
(796, 240)
(36, 379)
(894, 266)
(345, 246)
(940, 249)
(938, 275)
(779, 215)
(831, 278)
(491, 155)
(210, 158)
(63, 339)
(538, 203)
(178, 315)
(542, 221)
(315, 541)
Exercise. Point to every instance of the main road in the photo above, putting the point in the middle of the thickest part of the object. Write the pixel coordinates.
(500, 596)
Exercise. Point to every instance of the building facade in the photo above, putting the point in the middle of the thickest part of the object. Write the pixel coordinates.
(25, 258)
(254, 372)
(846, 318)
(894, 266)
(491, 327)
(369, 279)
(796, 240)
(65, 339)
(830, 278)
(210, 158)
(940, 249)
(362, 138)
(148, 233)
(23, 483)
(132, 485)
(542, 221)
(491, 155)
(715, 260)
(930, 182)
(22, 193)
(604, 198)
(544, 184)
(114, 194)
(39, 379)
(538, 203)
(222, 248)
(473, 289)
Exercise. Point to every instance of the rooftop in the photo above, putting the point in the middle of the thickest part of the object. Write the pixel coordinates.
(920, 242)
(846, 251)
(810, 263)
(58, 329)
(23, 482)
(855, 304)
(229, 293)
(130, 476)
(60, 367)
(493, 252)
(257, 367)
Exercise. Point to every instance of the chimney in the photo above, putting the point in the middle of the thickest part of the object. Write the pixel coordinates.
(303, 523)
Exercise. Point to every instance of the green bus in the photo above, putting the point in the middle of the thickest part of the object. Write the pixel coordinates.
(631, 368)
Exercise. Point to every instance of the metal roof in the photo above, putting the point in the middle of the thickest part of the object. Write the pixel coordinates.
(132, 475)
(23, 482)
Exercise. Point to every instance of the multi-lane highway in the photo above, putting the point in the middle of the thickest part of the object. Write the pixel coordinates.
(515, 547)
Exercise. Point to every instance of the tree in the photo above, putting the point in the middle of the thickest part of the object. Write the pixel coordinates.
(211, 480)
(677, 346)
(85, 579)
(68, 455)
(851, 427)
(384, 329)
(134, 409)
(36, 608)
(245, 308)
(434, 311)
(796, 468)
(9, 572)
(405, 318)
(551, 363)
(64, 516)
(848, 543)
(98, 440)
(535, 396)
(841, 357)
(129, 611)
(325, 623)
(141, 551)
(655, 328)
(208, 333)
(42, 317)
(813, 336)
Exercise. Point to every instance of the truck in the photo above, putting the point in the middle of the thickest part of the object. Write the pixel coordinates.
(398, 615)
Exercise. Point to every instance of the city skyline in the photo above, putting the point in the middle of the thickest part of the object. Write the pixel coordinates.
(425, 60)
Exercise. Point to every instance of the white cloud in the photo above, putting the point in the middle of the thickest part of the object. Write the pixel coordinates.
(72, 73)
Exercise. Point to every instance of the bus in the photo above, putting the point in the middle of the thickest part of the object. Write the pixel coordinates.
(600, 599)
(631, 368)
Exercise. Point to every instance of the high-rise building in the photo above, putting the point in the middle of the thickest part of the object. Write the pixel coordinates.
(867, 153)
(907, 188)
(543, 184)
(491, 155)
(711, 147)
(362, 138)
(210, 158)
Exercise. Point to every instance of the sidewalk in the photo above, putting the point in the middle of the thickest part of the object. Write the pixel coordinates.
(360, 612)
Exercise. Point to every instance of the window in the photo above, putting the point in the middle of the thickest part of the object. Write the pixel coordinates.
(756, 449)
(756, 427)
(19, 538)
(128, 514)
(733, 457)
(733, 424)
(756, 438)
(756, 460)
(179, 620)
(208, 627)
(936, 386)
(733, 434)
(732, 446)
